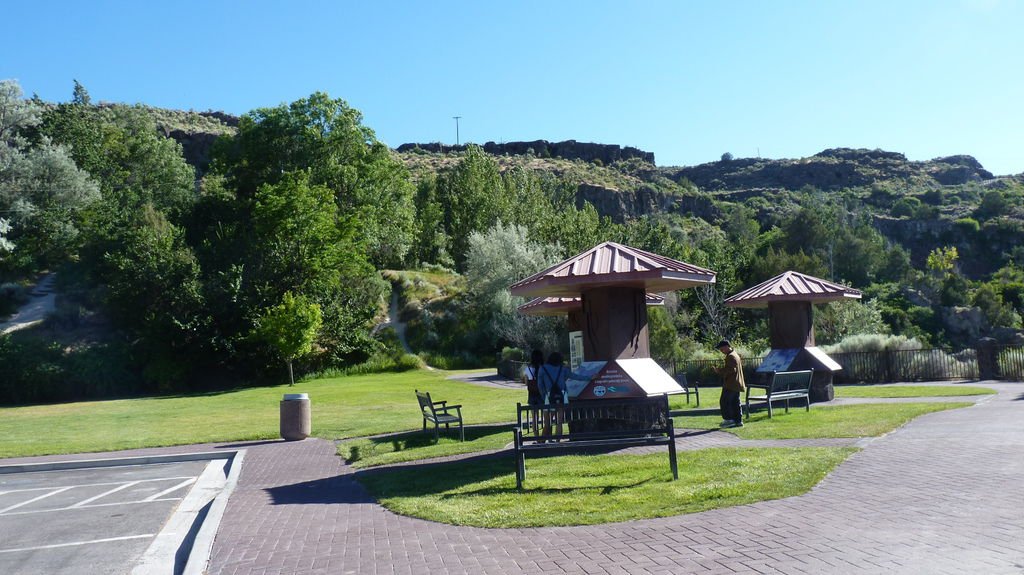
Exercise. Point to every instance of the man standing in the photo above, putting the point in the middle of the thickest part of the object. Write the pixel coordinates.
(732, 386)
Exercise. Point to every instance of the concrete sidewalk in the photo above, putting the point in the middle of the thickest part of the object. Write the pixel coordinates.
(945, 494)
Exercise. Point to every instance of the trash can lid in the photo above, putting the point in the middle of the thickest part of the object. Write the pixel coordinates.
(293, 396)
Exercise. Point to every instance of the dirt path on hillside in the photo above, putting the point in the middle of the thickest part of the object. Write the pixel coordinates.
(41, 304)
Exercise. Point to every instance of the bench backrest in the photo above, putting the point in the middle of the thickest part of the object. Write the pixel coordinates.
(792, 380)
(426, 406)
(645, 412)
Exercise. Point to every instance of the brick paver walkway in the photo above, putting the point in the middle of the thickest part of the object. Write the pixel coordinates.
(945, 494)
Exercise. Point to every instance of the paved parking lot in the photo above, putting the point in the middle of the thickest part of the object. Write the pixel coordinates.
(94, 520)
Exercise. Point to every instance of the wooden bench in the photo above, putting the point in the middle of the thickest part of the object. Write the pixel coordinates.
(783, 386)
(687, 389)
(648, 421)
(439, 413)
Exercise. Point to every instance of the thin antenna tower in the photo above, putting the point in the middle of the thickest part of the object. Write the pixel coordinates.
(456, 129)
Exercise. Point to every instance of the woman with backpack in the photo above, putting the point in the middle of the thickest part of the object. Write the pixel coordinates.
(533, 397)
(551, 384)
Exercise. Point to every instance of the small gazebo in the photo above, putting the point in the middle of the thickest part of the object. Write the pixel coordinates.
(611, 282)
(789, 298)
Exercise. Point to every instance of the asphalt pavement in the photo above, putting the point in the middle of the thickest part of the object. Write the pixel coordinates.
(94, 520)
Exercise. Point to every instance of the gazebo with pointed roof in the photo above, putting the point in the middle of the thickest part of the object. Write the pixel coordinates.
(612, 265)
(789, 298)
(792, 286)
(612, 281)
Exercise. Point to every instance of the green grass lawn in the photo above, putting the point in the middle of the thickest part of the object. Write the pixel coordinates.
(341, 407)
(362, 405)
(708, 399)
(864, 420)
(588, 490)
(910, 390)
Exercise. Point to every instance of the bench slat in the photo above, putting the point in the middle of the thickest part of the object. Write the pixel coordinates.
(650, 415)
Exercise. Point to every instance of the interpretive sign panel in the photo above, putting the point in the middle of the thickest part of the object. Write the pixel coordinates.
(649, 376)
(823, 359)
(778, 360)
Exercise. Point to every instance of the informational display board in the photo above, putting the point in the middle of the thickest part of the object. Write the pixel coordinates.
(822, 358)
(582, 376)
(575, 349)
(649, 376)
(620, 379)
(778, 360)
(798, 358)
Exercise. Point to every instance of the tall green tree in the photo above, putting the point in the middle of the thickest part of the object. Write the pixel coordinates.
(302, 244)
(154, 293)
(42, 192)
(325, 137)
(290, 329)
(470, 195)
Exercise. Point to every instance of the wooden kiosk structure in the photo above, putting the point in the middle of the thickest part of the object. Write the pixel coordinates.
(611, 282)
(789, 298)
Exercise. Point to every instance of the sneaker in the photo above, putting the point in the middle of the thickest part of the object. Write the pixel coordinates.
(725, 423)
(738, 423)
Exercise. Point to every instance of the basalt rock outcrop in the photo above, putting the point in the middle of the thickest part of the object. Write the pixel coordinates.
(569, 150)
(831, 169)
(646, 200)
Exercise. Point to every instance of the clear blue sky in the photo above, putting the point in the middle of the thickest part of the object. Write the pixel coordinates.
(685, 80)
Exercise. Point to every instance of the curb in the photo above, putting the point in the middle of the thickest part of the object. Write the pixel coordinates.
(115, 461)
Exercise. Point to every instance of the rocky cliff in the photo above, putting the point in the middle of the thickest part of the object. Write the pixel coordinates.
(569, 150)
(831, 169)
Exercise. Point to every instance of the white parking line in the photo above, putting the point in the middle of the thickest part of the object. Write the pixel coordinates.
(126, 538)
(85, 502)
(34, 499)
(171, 490)
(99, 484)
(89, 506)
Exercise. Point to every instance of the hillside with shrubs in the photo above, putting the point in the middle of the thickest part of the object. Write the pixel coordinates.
(178, 238)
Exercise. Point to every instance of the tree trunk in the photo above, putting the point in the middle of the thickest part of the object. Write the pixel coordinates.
(291, 376)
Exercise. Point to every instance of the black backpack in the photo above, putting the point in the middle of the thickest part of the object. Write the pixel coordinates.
(556, 394)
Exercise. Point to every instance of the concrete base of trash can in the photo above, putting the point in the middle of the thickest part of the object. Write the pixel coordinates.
(296, 422)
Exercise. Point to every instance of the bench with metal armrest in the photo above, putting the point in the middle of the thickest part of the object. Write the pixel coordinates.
(782, 386)
(439, 413)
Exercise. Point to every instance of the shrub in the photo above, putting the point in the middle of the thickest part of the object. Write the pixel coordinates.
(513, 354)
(967, 226)
(873, 342)
(12, 296)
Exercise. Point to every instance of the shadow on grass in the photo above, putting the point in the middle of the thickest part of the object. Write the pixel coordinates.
(426, 479)
(605, 490)
(412, 440)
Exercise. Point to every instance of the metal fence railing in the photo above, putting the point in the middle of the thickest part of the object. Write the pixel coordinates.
(889, 366)
(1010, 363)
(884, 366)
